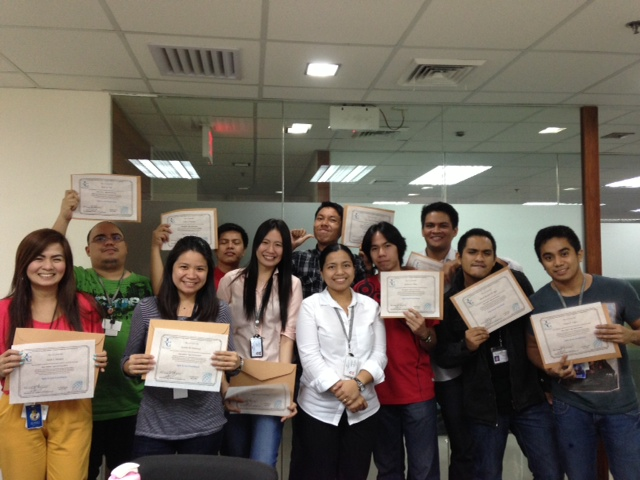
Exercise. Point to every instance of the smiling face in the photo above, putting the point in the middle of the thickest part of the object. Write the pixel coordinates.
(477, 259)
(269, 252)
(438, 232)
(189, 273)
(327, 227)
(561, 261)
(384, 254)
(230, 250)
(48, 268)
(338, 272)
(107, 248)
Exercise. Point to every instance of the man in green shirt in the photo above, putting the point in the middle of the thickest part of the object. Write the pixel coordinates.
(117, 290)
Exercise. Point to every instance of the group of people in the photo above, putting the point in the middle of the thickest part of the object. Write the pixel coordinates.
(369, 386)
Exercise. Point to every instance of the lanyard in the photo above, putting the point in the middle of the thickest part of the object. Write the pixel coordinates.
(344, 330)
(110, 300)
(53, 317)
(584, 283)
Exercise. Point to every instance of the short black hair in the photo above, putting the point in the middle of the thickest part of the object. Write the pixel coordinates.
(440, 207)
(556, 231)
(388, 231)
(336, 206)
(232, 227)
(336, 247)
(475, 232)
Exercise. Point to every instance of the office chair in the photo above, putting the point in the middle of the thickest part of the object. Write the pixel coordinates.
(202, 467)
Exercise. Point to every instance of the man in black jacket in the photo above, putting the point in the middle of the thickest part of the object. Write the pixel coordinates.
(502, 392)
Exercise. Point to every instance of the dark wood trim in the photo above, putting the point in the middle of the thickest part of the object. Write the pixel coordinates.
(323, 190)
(591, 189)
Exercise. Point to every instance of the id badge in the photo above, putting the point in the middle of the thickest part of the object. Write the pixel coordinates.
(111, 328)
(34, 416)
(350, 366)
(499, 355)
(256, 347)
(581, 370)
(180, 393)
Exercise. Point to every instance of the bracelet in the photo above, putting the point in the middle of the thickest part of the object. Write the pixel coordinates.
(427, 339)
(360, 384)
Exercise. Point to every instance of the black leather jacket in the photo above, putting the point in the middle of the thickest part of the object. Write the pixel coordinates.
(479, 394)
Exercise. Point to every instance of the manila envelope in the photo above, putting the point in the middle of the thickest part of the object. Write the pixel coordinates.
(207, 327)
(257, 372)
(36, 335)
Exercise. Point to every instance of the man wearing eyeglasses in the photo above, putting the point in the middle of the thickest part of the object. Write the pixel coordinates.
(117, 290)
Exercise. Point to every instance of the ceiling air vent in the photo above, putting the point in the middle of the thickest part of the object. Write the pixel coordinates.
(618, 135)
(437, 73)
(197, 62)
(167, 155)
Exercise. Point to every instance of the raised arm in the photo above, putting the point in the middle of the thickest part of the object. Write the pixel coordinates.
(159, 236)
(70, 202)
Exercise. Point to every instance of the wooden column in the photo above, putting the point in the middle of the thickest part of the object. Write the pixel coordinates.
(591, 210)
(323, 190)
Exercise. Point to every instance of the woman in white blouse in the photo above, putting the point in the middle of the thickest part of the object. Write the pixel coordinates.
(341, 342)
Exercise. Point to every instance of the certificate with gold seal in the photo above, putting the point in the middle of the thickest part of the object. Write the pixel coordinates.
(571, 332)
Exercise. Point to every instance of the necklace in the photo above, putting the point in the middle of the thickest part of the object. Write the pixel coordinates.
(110, 300)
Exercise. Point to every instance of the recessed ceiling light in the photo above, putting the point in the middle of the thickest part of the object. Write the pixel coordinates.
(413, 194)
(570, 189)
(279, 192)
(551, 130)
(426, 188)
(449, 175)
(243, 188)
(341, 173)
(322, 69)
(298, 128)
(242, 164)
(166, 168)
(628, 183)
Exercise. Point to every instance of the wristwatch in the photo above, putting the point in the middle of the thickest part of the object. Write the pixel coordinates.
(360, 384)
(426, 339)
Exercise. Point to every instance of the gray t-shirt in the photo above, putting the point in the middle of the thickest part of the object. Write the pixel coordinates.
(608, 387)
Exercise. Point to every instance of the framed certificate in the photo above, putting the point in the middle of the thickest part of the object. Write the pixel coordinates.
(492, 302)
(422, 262)
(108, 197)
(571, 332)
(420, 290)
(356, 221)
(183, 351)
(200, 222)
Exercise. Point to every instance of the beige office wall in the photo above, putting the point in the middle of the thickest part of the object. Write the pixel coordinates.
(45, 136)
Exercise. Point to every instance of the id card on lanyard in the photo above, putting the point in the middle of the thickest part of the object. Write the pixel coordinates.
(351, 364)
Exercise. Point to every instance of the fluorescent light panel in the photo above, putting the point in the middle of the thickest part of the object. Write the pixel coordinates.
(341, 173)
(628, 183)
(322, 69)
(449, 175)
(299, 128)
(551, 130)
(166, 168)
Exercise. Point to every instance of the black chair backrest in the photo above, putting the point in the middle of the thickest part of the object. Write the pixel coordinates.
(203, 467)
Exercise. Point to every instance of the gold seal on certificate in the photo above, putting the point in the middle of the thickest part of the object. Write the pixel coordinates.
(422, 262)
(420, 290)
(108, 197)
(571, 332)
(200, 222)
(183, 354)
(492, 302)
(356, 221)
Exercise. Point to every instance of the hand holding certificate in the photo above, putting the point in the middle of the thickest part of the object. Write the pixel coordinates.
(492, 302)
(356, 221)
(571, 332)
(422, 291)
(107, 197)
(200, 222)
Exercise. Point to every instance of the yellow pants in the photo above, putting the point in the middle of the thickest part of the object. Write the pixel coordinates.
(59, 451)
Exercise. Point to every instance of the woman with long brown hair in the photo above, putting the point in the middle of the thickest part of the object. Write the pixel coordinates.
(43, 296)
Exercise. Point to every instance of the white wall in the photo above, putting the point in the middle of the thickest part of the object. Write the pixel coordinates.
(45, 136)
(619, 255)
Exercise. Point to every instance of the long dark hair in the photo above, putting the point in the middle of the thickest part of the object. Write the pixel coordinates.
(21, 293)
(207, 304)
(250, 273)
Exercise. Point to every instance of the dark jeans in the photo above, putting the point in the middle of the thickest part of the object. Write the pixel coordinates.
(114, 440)
(449, 396)
(412, 426)
(328, 452)
(203, 445)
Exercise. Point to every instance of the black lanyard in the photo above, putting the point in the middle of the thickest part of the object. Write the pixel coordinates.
(110, 300)
(344, 330)
(584, 284)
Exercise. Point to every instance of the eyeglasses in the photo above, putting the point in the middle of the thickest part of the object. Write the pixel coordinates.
(102, 239)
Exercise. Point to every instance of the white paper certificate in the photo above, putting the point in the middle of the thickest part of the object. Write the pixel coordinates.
(54, 371)
(356, 221)
(183, 359)
(571, 332)
(422, 262)
(400, 291)
(492, 302)
(262, 399)
(107, 197)
(200, 222)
